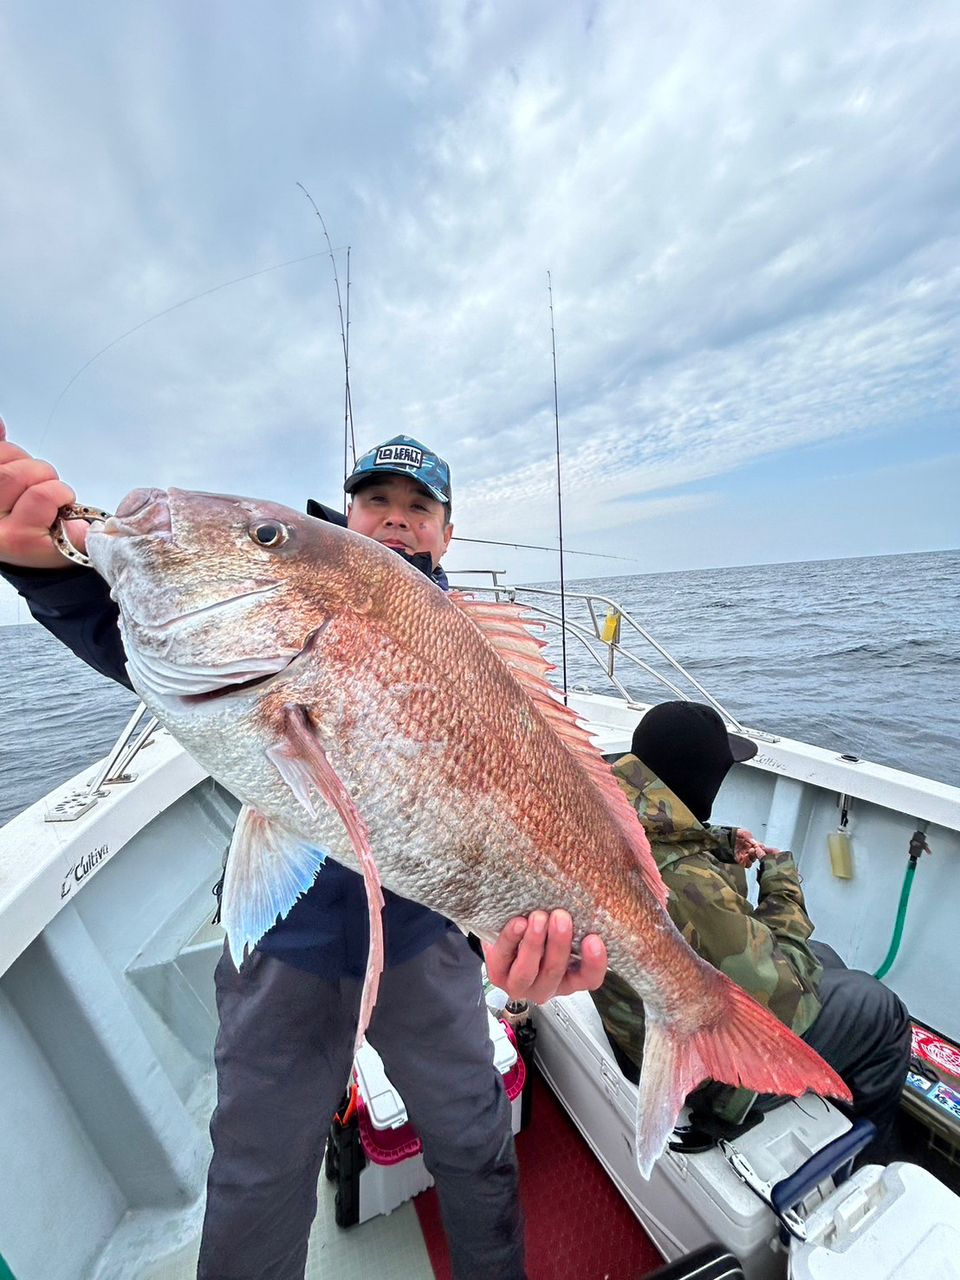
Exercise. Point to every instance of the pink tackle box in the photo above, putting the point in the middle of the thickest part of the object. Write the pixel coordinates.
(394, 1170)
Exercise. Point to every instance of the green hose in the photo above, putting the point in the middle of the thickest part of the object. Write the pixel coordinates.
(901, 916)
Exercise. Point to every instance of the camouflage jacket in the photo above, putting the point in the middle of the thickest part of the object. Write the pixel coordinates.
(762, 948)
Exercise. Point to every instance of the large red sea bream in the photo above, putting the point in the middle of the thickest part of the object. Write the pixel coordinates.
(357, 710)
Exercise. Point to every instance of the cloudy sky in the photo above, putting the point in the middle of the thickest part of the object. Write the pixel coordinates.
(751, 216)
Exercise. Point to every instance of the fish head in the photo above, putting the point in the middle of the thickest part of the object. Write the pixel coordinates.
(218, 593)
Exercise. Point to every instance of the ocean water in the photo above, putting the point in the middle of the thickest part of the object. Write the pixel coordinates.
(858, 655)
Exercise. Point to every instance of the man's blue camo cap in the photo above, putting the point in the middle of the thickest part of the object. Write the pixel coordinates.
(403, 456)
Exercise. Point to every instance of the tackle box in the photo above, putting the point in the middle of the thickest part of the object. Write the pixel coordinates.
(393, 1169)
(932, 1089)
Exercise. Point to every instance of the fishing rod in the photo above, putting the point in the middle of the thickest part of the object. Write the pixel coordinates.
(556, 420)
(344, 338)
(347, 393)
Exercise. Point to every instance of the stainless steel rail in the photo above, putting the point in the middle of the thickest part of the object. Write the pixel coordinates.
(601, 639)
(114, 769)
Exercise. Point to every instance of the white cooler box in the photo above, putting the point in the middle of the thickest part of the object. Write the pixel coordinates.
(689, 1200)
(893, 1223)
(394, 1170)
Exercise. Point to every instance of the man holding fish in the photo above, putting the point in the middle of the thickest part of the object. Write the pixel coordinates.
(289, 1013)
(358, 710)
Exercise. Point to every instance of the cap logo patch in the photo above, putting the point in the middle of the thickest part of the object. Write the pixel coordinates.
(399, 454)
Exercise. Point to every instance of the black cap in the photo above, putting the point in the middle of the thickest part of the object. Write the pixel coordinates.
(689, 748)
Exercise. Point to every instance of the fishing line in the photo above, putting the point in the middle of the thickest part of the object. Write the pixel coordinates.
(531, 546)
(556, 419)
(165, 312)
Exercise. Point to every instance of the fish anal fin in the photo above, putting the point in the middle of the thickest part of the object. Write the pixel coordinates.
(507, 629)
(301, 760)
(744, 1045)
(268, 868)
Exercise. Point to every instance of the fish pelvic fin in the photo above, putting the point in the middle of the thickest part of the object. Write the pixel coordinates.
(509, 630)
(302, 762)
(268, 868)
(745, 1045)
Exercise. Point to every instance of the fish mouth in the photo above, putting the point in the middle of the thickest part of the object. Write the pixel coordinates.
(142, 512)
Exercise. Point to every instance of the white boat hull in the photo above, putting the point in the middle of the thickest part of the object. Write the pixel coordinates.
(106, 961)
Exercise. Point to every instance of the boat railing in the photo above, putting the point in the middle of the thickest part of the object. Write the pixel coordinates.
(115, 768)
(600, 633)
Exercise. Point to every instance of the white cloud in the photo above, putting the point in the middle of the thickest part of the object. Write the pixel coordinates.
(751, 217)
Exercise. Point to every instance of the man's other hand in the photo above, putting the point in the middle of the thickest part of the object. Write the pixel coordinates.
(31, 494)
(749, 849)
(532, 960)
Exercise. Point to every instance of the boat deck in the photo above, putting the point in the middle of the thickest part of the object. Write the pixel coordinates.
(390, 1248)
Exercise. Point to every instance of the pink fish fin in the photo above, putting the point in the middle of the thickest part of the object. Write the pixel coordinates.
(745, 1045)
(267, 870)
(301, 749)
(507, 628)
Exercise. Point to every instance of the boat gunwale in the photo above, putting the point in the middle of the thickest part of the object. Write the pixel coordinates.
(37, 857)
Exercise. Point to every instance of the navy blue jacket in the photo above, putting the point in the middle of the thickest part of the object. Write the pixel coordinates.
(326, 931)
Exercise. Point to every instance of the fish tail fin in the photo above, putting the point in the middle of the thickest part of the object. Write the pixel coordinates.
(746, 1045)
(660, 1092)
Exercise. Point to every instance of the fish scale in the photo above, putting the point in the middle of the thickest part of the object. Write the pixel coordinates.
(411, 735)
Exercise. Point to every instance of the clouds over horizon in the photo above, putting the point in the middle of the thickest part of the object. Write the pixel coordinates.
(751, 219)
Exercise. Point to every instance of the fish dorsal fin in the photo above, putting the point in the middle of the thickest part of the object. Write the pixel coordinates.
(507, 627)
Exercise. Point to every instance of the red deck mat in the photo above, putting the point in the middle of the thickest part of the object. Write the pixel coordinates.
(578, 1225)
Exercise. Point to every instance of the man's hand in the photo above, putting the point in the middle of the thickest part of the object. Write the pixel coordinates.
(31, 494)
(531, 959)
(749, 850)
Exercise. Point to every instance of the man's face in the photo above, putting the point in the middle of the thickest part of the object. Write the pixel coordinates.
(399, 512)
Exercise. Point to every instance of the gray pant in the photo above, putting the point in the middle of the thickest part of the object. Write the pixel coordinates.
(283, 1057)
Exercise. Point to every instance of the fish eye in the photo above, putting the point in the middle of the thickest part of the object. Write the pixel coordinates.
(268, 534)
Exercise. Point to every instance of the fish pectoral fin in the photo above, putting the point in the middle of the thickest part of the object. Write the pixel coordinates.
(302, 763)
(268, 868)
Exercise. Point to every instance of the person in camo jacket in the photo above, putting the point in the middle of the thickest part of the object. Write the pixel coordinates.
(680, 754)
